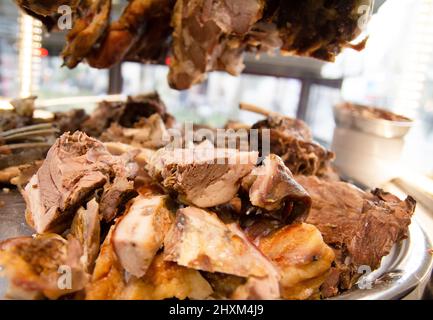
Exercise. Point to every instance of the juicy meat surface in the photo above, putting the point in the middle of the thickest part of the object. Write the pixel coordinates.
(140, 233)
(202, 177)
(75, 167)
(272, 185)
(199, 240)
(86, 229)
(361, 227)
(108, 278)
(291, 139)
(301, 256)
(163, 279)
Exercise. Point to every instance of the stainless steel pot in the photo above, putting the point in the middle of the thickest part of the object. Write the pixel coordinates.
(345, 118)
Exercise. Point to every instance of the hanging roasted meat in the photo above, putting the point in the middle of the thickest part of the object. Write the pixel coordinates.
(205, 35)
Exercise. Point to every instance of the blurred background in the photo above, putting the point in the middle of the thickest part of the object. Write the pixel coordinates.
(394, 72)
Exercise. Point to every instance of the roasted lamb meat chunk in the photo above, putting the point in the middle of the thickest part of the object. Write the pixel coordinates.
(123, 34)
(75, 168)
(301, 256)
(199, 240)
(32, 266)
(202, 177)
(140, 232)
(86, 228)
(126, 114)
(165, 280)
(92, 19)
(317, 28)
(201, 37)
(70, 120)
(272, 186)
(291, 139)
(361, 227)
(147, 133)
(162, 280)
(21, 115)
(154, 43)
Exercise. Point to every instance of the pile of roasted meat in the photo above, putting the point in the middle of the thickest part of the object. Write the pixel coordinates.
(203, 35)
(128, 215)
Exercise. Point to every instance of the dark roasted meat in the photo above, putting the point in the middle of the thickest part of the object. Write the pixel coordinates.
(126, 114)
(46, 7)
(201, 37)
(361, 227)
(75, 167)
(291, 139)
(317, 28)
(70, 120)
(92, 19)
(124, 33)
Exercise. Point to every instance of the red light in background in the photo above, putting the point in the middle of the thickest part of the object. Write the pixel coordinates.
(167, 61)
(43, 52)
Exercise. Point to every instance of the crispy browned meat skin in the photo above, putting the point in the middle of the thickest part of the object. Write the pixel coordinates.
(163, 280)
(361, 227)
(91, 21)
(75, 167)
(32, 266)
(122, 34)
(291, 139)
(302, 258)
